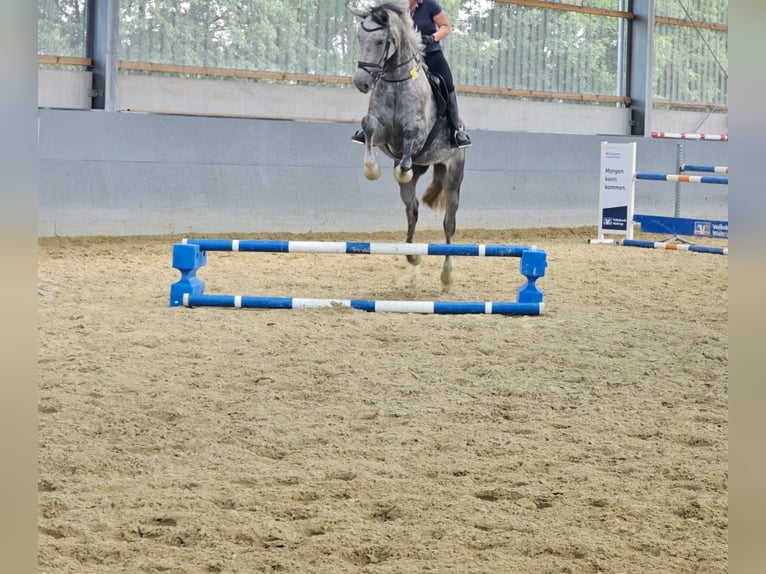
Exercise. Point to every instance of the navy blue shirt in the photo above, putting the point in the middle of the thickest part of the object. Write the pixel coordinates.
(423, 17)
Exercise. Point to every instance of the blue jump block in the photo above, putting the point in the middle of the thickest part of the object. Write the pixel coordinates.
(533, 264)
(187, 258)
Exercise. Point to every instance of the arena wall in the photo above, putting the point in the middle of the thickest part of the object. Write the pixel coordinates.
(123, 173)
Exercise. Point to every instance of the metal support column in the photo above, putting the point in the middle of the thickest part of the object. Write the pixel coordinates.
(680, 160)
(641, 66)
(102, 41)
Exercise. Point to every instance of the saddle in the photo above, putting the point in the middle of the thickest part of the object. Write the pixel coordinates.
(441, 97)
(439, 88)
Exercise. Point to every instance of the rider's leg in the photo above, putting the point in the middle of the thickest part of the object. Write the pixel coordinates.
(437, 64)
(358, 137)
(461, 138)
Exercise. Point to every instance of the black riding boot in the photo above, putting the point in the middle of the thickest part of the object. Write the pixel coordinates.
(461, 138)
(358, 137)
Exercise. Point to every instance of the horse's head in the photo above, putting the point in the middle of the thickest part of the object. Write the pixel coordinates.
(387, 39)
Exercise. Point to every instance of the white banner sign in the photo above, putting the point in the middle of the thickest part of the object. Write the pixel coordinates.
(616, 193)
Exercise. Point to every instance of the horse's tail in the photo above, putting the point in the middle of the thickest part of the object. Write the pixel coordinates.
(433, 196)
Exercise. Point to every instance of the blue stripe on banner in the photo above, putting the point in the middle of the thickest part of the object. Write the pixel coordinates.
(683, 226)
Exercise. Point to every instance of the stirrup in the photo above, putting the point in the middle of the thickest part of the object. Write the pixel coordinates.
(466, 141)
(358, 137)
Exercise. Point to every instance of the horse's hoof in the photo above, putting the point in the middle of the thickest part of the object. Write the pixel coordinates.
(372, 171)
(413, 259)
(446, 278)
(402, 176)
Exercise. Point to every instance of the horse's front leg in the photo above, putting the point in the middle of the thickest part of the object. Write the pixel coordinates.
(371, 165)
(403, 169)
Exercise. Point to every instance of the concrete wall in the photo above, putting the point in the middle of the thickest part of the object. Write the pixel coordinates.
(227, 97)
(124, 173)
(155, 93)
(64, 89)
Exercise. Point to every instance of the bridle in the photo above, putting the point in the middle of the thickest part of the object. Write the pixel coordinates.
(378, 70)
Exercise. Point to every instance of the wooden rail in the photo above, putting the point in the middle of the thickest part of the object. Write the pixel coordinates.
(64, 61)
(538, 94)
(661, 103)
(569, 8)
(691, 23)
(316, 78)
(232, 73)
(547, 5)
(181, 70)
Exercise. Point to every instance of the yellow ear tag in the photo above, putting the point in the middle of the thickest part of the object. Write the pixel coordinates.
(413, 73)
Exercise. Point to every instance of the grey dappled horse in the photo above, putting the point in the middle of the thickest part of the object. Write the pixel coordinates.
(403, 120)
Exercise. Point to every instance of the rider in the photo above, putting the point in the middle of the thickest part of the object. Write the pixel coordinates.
(432, 23)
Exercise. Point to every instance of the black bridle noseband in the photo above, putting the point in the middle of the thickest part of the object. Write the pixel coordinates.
(379, 69)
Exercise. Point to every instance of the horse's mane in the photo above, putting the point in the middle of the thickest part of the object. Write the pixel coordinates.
(402, 9)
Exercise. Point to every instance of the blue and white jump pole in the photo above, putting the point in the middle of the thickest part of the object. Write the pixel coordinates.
(675, 246)
(191, 254)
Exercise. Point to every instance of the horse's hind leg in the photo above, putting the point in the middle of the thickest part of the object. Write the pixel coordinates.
(407, 193)
(451, 183)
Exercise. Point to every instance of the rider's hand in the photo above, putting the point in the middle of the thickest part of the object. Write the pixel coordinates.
(427, 39)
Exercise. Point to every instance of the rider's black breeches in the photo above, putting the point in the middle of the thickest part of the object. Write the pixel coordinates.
(437, 64)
